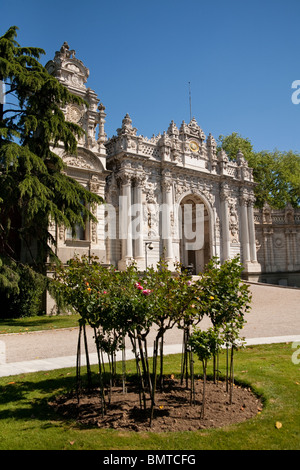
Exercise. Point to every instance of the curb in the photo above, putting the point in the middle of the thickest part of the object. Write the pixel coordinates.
(15, 368)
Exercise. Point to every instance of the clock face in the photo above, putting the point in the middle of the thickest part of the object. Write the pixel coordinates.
(194, 146)
(73, 114)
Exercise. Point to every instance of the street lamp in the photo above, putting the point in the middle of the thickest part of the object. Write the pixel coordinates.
(148, 246)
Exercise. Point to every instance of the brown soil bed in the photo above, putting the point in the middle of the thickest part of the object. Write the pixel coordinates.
(173, 410)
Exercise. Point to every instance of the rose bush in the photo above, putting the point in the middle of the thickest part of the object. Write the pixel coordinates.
(129, 303)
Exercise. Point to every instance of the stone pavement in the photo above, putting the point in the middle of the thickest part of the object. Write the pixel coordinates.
(274, 318)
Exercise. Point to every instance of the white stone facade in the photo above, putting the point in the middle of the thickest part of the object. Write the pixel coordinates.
(180, 167)
(153, 186)
(278, 244)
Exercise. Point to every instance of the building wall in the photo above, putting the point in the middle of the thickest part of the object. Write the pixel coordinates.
(180, 165)
(278, 245)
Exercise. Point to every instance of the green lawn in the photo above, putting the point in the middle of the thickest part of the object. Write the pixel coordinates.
(37, 323)
(28, 423)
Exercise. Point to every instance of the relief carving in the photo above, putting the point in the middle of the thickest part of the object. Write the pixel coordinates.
(79, 162)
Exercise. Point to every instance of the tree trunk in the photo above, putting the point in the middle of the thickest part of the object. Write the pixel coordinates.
(88, 367)
(161, 354)
(78, 363)
(204, 362)
(155, 348)
(231, 375)
(142, 395)
(102, 396)
(192, 379)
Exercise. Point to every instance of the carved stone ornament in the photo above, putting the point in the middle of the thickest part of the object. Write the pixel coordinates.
(289, 214)
(224, 192)
(233, 221)
(127, 128)
(78, 162)
(166, 184)
(267, 215)
(61, 232)
(151, 220)
(74, 114)
(150, 192)
(218, 227)
(279, 242)
(192, 129)
(95, 184)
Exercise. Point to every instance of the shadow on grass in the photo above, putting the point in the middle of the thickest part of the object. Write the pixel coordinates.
(43, 322)
(25, 400)
(30, 399)
(24, 321)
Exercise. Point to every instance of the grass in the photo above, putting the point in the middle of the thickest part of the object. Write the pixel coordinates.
(28, 423)
(37, 323)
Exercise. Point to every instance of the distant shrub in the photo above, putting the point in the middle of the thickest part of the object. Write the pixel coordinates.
(27, 298)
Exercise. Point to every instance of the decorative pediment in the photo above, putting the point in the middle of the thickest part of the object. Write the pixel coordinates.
(127, 128)
(192, 130)
(78, 162)
(211, 142)
(84, 160)
(173, 130)
(68, 68)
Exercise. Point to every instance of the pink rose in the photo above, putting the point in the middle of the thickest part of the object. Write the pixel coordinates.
(138, 286)
(146, 291)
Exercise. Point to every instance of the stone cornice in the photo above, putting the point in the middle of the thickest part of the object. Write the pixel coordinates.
(172, 151)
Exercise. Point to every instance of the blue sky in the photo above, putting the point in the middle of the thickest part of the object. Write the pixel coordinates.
(240, 57)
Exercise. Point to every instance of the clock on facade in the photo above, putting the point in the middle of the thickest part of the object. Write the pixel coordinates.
(194, 146)
(73, 114)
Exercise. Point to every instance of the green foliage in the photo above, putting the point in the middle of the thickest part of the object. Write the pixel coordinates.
(223, 296)
(26, 297)
(276, 173)
(233, 143)
(9, 278)
(127, 300)
(205, 344)
(278, 177)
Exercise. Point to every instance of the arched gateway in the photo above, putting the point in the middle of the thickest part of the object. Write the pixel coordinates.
(148, 185)
(195, 236)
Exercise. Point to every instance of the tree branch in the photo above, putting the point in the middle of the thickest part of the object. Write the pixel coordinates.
(16, 111)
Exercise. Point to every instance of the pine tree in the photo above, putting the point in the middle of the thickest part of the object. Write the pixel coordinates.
(34, 188)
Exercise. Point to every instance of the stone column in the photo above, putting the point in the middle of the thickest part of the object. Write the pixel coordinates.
(294, 247)
(97, 229)
(125, 220)
(252, 241)
(268, 249)
(244, 227)
(166, 220)
(289, 250)
(224, 195)
(138, 226)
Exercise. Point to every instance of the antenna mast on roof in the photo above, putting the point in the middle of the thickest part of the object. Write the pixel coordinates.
(190, 99)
